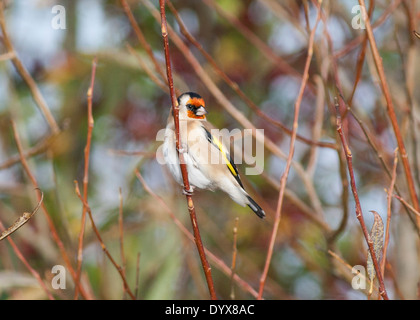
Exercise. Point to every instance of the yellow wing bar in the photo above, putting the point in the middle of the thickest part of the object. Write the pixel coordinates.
(230, 164)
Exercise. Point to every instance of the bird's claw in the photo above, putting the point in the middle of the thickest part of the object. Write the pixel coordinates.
(188, 192)
(182, 148)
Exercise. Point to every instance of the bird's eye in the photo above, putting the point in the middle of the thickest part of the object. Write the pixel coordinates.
(189, 106)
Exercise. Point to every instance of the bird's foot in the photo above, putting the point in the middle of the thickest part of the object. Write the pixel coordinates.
(188, 192)
(183, 148)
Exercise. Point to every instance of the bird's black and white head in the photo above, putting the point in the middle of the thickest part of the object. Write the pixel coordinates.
(191, 106)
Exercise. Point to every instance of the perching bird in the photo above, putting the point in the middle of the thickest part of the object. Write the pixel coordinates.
(208, 162)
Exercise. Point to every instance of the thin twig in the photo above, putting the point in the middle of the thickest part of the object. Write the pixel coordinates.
(317, 127)
(282, 14)
(234, 253)
(141, 38)
(7, 56)
(356, 41)
(333, 69)
(388, 216)
(405, 203)
(359, 212)
(98, 236)
(283, 179)
(408, 72)
(350, 268)
(301, 205)
(41, 147)
(249, 35)
(86, 172)
(384, 165)
(145, 67)
(360, 59)
(25, 217)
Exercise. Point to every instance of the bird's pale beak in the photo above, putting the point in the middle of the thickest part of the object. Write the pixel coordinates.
(201, 111)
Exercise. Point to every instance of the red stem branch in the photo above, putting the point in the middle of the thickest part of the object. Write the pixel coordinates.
(359, 213)
(175, 109)
(86, 173)
(283, 179)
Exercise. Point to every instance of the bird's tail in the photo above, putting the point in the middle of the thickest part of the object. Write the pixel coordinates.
(255, 207)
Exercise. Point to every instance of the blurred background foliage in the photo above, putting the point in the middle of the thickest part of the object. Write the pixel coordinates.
(129, 109)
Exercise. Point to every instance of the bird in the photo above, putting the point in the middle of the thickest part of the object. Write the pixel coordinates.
(209, 164)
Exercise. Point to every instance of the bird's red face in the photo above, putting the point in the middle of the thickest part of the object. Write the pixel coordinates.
(196, 108)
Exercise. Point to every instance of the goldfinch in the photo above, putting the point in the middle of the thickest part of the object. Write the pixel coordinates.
(208, 161)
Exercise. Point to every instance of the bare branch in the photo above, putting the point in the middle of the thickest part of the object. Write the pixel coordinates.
(103, 246)
(283, 179)
(359, 212)
(25, 217)
(234, 254)
(389, 211)
(175, 109)
(86, 171)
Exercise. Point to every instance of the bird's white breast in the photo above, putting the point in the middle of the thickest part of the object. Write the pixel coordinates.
(195, 175)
